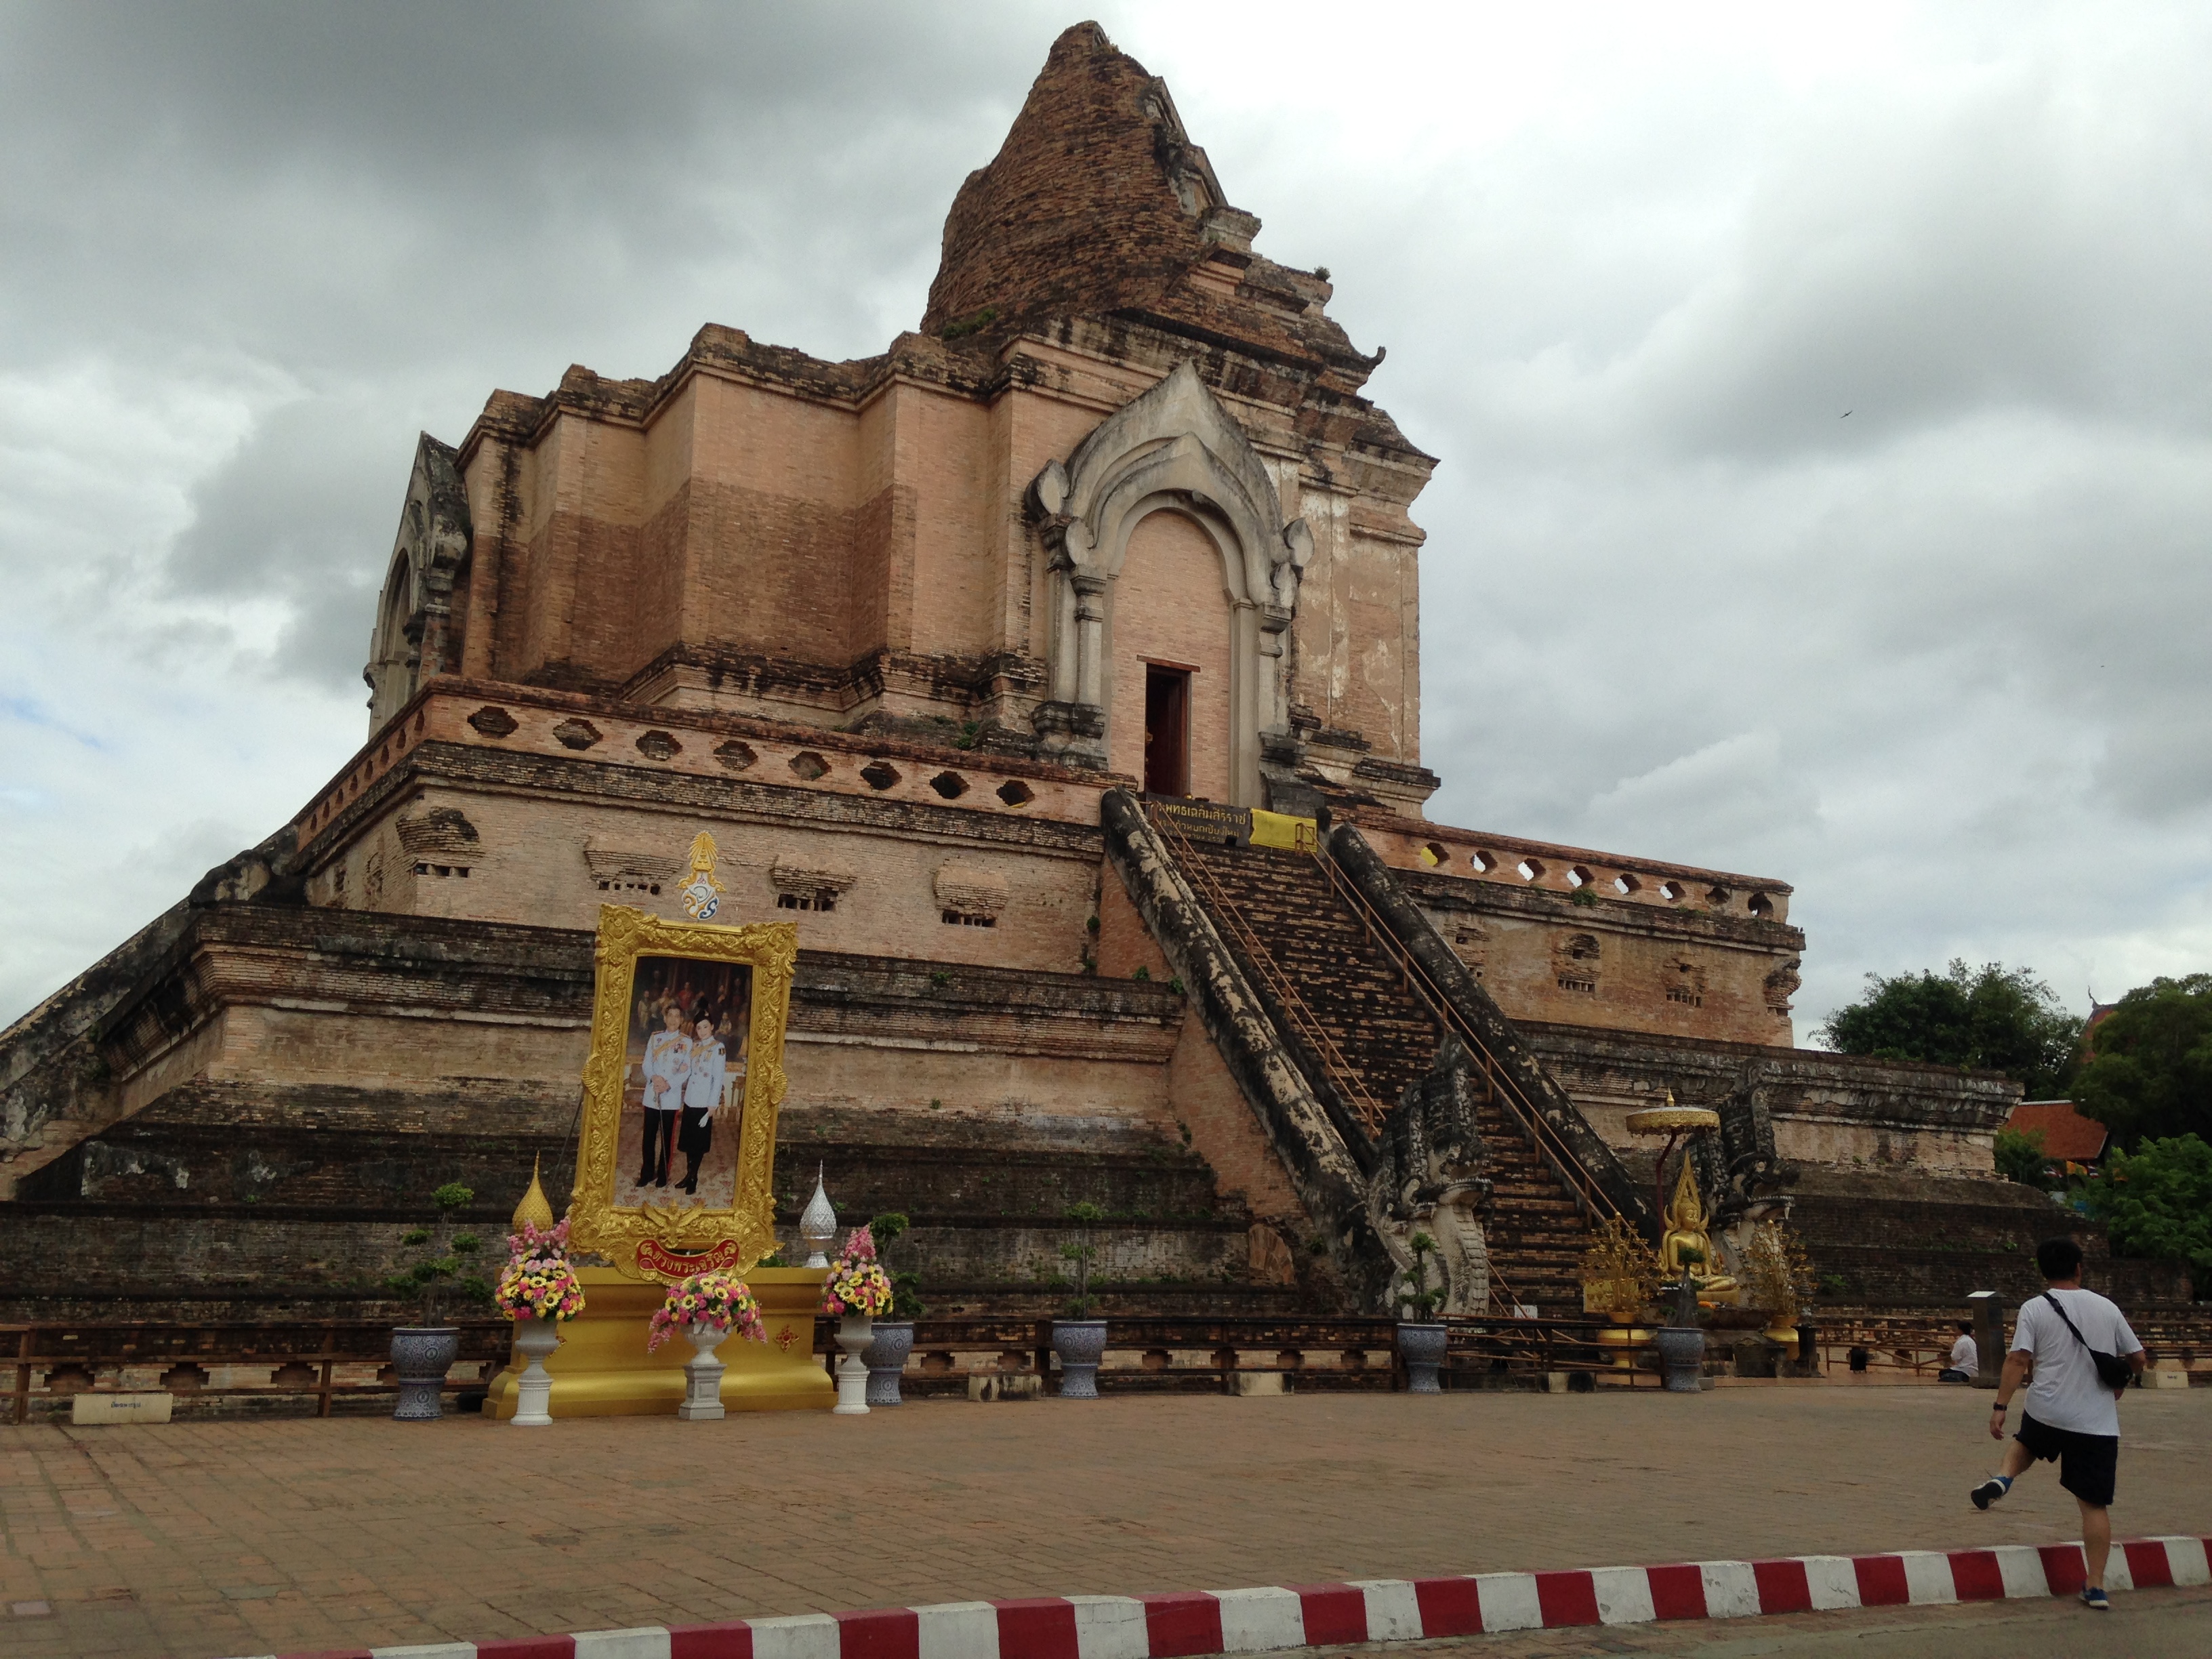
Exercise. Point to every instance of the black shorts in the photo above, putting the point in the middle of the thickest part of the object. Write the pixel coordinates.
(2088, 1464)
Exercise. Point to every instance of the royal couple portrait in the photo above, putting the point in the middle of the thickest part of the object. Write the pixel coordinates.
(685, 1084)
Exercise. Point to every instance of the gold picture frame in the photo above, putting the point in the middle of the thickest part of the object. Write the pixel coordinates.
(675, 1238)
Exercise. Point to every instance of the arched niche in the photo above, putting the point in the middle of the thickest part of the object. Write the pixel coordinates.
(1173, 449)
(411, 640)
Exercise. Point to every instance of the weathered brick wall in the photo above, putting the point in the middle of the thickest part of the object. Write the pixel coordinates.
(238, 1197)
(1904, 1276)
(1838, 1110)
(1212, 1111)
(1548, 951)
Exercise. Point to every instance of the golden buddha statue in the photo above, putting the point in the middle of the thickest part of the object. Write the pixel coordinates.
(1686, 1233)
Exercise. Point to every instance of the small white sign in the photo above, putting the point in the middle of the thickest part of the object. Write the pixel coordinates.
(121, 1407)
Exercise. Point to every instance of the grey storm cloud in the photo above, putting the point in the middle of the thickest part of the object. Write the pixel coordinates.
(1824, 404)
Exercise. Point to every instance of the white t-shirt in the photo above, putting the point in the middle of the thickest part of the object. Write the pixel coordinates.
(2066, 1392)
(1965, 1356)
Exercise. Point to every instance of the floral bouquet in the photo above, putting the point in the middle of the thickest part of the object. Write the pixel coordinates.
(538, 1282)
(718, 1299)
(858, 1282)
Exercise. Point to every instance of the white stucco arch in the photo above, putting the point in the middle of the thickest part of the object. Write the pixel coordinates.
(1173, 449)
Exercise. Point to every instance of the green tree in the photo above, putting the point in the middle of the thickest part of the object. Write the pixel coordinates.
(440, 1265)
(1080, 1252)
(2020, 1157)
(1992, 1018)
(2149, 1071)
(2158, 1203)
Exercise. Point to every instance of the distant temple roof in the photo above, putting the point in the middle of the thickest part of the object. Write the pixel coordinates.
(1098, 204)
(2066, 1134)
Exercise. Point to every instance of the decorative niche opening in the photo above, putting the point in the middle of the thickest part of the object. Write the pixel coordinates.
(1434, 855)
(1574, 964)
(808, 765)
(808, 887)
(1686, 983)
(574, 733)
(1484, 863)
(493, 721)
(880, 774)
(969, 895)
(735, 756)
(1014, 793)
(1530, 870)
(1761, 906)
(1625, 884)
(659, 745)
(950, 785)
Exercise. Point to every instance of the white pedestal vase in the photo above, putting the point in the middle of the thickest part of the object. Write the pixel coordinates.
(702, 1375)
(534, 1338)
(854, 1332)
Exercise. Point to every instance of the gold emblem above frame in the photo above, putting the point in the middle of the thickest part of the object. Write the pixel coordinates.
(727, 1221)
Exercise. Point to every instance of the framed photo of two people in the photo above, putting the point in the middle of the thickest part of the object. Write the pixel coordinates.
(681, 1089)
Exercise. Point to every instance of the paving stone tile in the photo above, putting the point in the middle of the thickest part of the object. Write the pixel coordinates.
(358, 1530)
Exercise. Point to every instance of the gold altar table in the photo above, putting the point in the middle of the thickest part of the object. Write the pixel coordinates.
(602, 1368)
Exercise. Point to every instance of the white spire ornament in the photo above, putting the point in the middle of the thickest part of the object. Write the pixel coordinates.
(818, 1224)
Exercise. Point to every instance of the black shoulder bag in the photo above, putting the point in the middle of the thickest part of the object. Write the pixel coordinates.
(2112, 1370)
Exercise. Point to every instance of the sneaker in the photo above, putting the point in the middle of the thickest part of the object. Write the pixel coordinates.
(2095, 1598)
(1989, 1490)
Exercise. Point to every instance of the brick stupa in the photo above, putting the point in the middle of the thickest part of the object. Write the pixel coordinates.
(917, 638)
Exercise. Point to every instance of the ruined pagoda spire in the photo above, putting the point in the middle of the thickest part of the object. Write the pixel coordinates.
(1098, 204)
(1095, 200)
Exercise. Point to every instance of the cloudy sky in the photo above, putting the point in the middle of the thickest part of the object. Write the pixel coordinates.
(1824, 396)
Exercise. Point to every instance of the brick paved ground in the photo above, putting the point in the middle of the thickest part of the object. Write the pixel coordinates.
(204, 1538)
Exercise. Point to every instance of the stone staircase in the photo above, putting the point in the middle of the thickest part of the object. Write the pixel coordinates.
(1362, 1034)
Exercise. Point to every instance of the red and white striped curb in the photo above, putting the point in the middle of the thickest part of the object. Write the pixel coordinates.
(1370, 1610)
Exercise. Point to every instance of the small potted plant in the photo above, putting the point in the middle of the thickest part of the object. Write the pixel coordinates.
(706, 1307)
(1681, 1340)
(856, 1292)
(886, 1355)
(538, 1290)
(422, 1354)
(1079, 1340)
(1422, 1341)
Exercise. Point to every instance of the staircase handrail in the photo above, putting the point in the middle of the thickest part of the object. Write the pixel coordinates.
(1362, 1104)
(1589, 1193)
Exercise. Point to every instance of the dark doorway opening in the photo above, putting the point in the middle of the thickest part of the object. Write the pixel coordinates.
(1167, 730)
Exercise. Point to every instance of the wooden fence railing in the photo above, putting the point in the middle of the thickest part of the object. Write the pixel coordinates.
(318, 1361)
(315, 1364)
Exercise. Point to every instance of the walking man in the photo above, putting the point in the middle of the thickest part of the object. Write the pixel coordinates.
(2074, 1352)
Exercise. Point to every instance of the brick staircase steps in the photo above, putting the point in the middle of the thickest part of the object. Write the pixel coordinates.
(1387, 1039)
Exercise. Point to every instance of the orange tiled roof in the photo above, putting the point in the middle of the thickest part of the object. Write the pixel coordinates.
(2066, 1134)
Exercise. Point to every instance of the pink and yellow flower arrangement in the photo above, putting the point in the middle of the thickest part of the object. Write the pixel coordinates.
(538, 1282)
(718, 1299)
(857, 1282)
